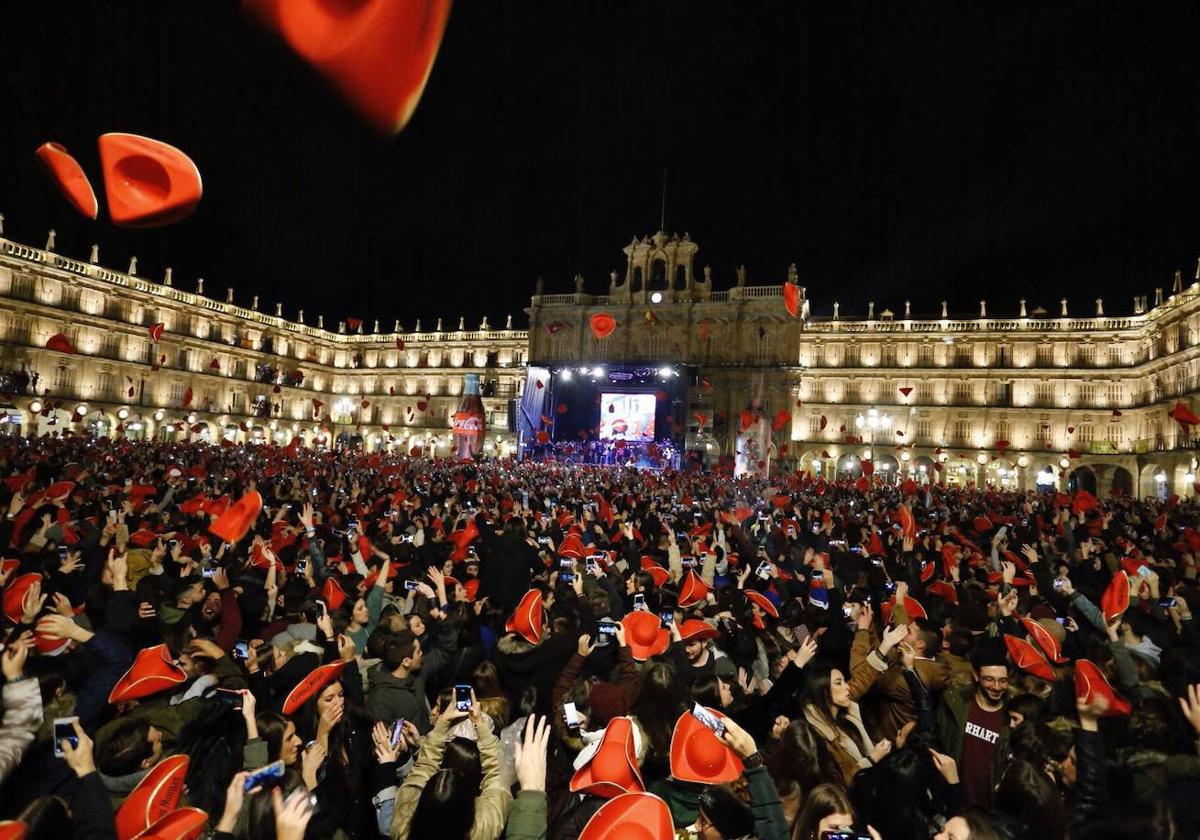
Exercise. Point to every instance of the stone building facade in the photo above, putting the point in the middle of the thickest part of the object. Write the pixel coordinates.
(252, 375)
(1077, 400)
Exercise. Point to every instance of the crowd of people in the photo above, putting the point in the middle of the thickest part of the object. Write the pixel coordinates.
(653, 455)
(276, 643)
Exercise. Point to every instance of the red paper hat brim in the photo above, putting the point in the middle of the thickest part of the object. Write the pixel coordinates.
(15, 593)
(1090, 683)
(613, 768)
(528, 619)
(1044, 640)
(313, 684)
(155, 796)
(1115, 599)
(697, 755)
(631, 816)
(1028, 658)
(148, 183)
(645, 635)
(762, 602)
(696, 630)
(236, 522)
(152, 671)
(180, 824)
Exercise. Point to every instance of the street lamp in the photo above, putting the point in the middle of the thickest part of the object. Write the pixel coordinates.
(873, 421)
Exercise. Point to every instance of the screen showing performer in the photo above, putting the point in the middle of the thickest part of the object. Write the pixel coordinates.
(627, 417)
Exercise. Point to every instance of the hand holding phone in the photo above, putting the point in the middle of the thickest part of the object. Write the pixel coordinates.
(709, 720)
(64, 730)
(462, 698)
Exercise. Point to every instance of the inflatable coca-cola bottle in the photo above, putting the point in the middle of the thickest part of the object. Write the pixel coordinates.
(469, 420)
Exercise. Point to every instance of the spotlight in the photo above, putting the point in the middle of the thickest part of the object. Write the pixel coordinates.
(36, 406)
(665, 372)
(566, 374)
(159, 415)
(656, 297)
(122, 413)
(597, 371)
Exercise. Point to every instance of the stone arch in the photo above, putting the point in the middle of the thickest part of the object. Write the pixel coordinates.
(1122, 481)
(681, 280)
(1148, 485)
(922, 470)
(636, 285)
(887, 468)
(659, 279)
(1082, 478)
(849, 466)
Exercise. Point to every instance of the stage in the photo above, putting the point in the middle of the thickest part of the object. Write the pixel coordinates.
(606, 415)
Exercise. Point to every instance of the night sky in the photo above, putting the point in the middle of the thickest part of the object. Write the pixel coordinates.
(891, 150)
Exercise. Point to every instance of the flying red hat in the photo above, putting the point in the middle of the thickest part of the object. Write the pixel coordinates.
(1115, 599)
(1090, 684)
(698, 755)
(13, 830)
(612, 769)
(313, 684)
(1045, 640)
(148, 183)
(70, 178)
(59, 343)
(14, 593)
(791, 299)
(603, 325)
(180, 824)
(692, 590)
(645, 635)
(631, 816)
(528, 619)
(762, 602)
(233, 524)
(695, 630)
(155, 796)
(377, 55)
(152, 671)
(660, 575)
(1028, 658)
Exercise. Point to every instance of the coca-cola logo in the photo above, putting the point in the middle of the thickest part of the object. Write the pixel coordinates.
(472, 423)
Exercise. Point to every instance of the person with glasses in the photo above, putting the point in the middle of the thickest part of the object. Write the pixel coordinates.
(973, 728)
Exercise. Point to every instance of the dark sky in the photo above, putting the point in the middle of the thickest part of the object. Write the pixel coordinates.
(891, 150)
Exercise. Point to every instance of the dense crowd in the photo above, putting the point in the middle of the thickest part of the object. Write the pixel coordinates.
(279, 643)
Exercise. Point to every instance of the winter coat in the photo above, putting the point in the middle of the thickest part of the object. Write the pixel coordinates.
(852, 752)
(22, 717)
(491, 806)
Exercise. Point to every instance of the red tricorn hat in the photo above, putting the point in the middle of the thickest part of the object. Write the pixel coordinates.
(12, 830)
(612, 769)
(791, 299)
(698, 755)
(603, 325)
(15, 593)
(645, 635)
(692, 590)
(528, 619)
(762, 602)
(1090, 684)
(695, 630)
(180, 824)
(152, 671)
(59, 490)
(1115, 599)
(70, 178)
(1028, 658)
(943, 590)
(1045, 640)
(911, 606)
(631, 816)
(471, 588)
(233, 524)
(313, 684)
(60, 344)
(147, 182)
(155, 796)
(333, 594)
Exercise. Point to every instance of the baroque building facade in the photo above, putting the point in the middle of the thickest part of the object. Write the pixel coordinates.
(1065, 399)
(221, 371)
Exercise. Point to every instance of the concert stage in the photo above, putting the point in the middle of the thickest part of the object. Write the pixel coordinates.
(606, 414)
